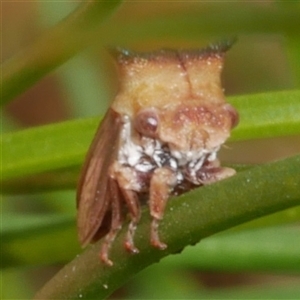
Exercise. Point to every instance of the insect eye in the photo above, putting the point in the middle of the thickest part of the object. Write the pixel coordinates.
(146, 122)
(233, 114)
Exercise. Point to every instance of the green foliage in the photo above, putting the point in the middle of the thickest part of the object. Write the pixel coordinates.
(262, 202)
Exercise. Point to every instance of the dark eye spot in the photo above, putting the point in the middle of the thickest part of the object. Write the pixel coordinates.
(233, 114)
(146, 122)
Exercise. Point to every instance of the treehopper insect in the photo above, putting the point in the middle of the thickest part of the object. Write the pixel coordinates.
(160, 137)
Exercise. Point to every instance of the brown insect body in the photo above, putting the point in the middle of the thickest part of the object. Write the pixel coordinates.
(160, 137)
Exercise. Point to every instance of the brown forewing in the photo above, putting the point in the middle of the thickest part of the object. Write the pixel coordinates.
(93, 194)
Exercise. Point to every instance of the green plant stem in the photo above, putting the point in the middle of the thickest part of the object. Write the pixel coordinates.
(214, 19)
(64, 145)
(267, 115)
(54, 48)
(35, 239)
(189, 218)
(82, 28)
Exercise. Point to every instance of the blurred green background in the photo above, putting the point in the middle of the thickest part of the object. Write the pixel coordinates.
(265, 58)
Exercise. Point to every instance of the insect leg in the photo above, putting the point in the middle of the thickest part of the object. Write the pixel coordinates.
(161, 184)
(116, 221)
(130, 183)
(213, 172)
(133, 205)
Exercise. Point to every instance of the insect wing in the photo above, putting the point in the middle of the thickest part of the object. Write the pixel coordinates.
(93, 194)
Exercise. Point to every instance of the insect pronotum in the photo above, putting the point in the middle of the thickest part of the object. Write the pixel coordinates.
(160, 137)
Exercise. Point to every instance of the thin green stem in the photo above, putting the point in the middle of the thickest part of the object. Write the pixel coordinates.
(54, 48)
(64, 145)
(188, 219)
